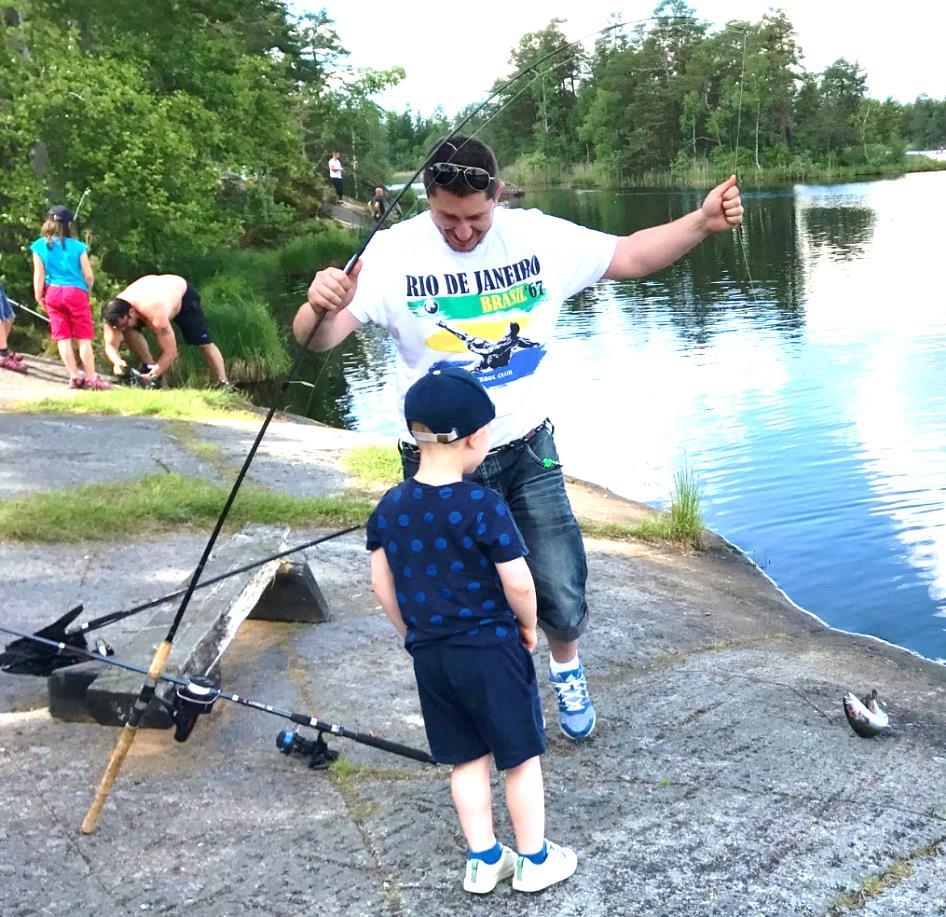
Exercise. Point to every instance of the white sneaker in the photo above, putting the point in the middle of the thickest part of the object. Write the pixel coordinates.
(482, 877)
(559, 864)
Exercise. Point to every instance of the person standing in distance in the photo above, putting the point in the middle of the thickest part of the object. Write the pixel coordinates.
(479, 268)
(335, 174)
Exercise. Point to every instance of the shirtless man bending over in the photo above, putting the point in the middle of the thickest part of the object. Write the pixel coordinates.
(156, 301)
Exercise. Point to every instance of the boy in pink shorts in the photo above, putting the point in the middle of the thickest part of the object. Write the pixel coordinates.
(62, 279)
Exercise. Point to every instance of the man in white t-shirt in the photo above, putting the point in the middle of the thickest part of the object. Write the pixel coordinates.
(470, 284)
(335, 174)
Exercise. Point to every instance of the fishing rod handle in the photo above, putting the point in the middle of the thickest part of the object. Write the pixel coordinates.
(125, 739)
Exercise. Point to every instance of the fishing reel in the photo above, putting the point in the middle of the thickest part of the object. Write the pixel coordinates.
(135, 377)
(320, 756)
(191, 700)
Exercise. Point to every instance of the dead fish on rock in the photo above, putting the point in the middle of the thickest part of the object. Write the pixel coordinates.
(867, 717)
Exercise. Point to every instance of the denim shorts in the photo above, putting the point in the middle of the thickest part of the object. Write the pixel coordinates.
(6, 310)
(529, 476)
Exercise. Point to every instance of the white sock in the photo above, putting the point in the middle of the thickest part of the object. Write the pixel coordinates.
(558, 667)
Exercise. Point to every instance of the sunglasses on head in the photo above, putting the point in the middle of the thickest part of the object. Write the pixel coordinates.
(446, 173)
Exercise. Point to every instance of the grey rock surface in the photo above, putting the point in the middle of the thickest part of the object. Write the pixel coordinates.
(722, 779)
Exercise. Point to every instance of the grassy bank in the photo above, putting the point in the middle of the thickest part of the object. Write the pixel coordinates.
(542, 172)
(682, 524)
(162, 503)
(168, 404)
(247, 294)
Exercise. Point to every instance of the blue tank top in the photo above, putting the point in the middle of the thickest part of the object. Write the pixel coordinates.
(63, 264)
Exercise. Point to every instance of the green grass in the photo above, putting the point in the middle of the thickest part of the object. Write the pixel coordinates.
(877, 883)
(243, 327)
(169, 404)
(374, 466)
(682, 525)
(535, 171)
(160, 503)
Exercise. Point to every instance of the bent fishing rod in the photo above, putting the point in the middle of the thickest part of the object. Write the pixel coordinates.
(200, 692)
(164, 649)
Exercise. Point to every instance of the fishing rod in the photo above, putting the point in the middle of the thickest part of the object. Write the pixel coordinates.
(87, 191)
(459, 127)
(130, 728)
(18, 305)
(195, 695)
(164, 649)
(21, 658)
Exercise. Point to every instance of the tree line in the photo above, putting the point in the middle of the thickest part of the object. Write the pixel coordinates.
(201, 127)
(669, 94)
(196, 126)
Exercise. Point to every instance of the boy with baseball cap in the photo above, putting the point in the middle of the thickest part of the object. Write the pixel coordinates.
(448, 566)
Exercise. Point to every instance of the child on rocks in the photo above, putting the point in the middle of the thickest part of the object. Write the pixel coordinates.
(62, 279)
(448, 566)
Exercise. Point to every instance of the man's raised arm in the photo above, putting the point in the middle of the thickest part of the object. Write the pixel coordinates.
(649, 250)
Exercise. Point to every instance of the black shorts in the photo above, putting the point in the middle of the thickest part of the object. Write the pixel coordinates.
(191, 319)
(480, 700)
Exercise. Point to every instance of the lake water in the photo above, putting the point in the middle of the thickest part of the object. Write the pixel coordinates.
(797, 367)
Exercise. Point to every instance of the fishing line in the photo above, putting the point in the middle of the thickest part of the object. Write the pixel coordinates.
(379, 225)
(740, 234)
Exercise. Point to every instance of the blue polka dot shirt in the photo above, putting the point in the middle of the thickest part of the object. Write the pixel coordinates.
(442, 544)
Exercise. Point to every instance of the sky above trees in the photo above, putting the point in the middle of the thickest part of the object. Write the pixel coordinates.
(453, 63)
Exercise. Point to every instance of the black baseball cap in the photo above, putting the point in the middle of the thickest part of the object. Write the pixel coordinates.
(61, 214)
(450, 402)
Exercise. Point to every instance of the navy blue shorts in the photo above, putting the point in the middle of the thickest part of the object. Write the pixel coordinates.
(480, 700)
(191, 319)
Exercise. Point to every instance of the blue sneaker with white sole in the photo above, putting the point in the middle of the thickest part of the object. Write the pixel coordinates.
(576, 712)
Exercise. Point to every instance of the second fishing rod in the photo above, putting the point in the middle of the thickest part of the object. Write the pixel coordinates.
(195, 695)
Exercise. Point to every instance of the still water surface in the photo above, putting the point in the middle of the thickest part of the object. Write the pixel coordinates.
(797, 368)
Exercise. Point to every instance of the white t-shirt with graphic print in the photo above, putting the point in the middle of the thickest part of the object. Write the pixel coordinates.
(491, 310)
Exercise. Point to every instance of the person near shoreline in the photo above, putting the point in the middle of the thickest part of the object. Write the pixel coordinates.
(156, 301)
(481, 269)
(9, 359)
(62, 281)
(335, 175)
(448, 567)
(378, 203)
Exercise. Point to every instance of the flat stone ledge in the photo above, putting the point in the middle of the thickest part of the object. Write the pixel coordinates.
(106, 694)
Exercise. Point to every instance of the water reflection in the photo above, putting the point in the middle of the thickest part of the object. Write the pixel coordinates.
(795, 366)
(842, 231)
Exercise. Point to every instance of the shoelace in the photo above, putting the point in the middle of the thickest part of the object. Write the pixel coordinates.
(572, 692)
